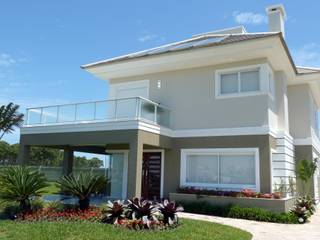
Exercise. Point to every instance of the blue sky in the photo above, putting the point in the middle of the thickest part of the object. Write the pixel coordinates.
(43, 43)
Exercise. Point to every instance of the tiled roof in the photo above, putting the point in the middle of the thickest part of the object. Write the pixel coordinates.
(189, 44)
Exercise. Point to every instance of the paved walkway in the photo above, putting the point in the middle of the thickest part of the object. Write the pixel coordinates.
(268, 231)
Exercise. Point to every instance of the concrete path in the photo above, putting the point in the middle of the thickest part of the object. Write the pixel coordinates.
(268, 231)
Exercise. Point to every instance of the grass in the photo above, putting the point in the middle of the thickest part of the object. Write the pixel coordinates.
(52, 188)
(189, 229)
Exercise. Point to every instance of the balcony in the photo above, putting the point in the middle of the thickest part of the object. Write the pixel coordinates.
(125, 109)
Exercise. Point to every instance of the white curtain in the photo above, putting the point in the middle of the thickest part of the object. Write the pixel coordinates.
(229, 83)
(249, 81)
(202, 169)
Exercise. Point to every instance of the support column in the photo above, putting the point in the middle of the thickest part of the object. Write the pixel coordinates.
(135, 169)
(24, 154)
(67, 161)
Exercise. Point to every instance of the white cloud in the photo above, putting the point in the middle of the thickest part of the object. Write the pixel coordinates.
(6, 60)
(308, 55)
(148, 37)
(249, 18)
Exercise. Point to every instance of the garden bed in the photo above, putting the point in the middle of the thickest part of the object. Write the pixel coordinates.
(274, 205)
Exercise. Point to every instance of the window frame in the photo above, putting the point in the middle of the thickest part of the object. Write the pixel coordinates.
(219, 151)
(263, 76)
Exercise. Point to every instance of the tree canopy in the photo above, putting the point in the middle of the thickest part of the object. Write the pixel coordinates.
(9, 118)
(40, 156)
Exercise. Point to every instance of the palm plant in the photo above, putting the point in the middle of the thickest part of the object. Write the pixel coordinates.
(9, 118)
(305, 171)
(21, 184)
(82, 186)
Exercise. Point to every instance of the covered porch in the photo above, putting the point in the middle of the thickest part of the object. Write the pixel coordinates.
(136, 157)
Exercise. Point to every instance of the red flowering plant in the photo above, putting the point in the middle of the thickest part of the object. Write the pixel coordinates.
(92, 214)
(249, 193)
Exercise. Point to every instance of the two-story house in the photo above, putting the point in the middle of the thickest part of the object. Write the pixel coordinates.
(226, 109)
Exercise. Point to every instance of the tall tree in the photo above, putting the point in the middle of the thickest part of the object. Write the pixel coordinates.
(4, 152)
(9, 118)
(46, 157)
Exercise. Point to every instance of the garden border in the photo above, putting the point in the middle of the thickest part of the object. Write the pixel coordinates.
(274, 205)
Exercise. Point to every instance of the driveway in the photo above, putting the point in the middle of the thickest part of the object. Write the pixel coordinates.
(268, 231)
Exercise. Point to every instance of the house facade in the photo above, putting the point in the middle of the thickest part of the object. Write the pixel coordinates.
(221, 110)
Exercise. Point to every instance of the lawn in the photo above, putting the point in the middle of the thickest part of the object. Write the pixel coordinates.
(189, 229)
(52, 188)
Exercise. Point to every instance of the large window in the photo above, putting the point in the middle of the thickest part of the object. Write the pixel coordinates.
(220, 168)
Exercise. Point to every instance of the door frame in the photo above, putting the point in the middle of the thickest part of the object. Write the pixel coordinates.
(125, 170)
(162, 151)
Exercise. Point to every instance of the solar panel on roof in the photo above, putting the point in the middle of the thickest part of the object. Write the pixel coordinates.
(182, 46)
(179, 46)
(209, 41)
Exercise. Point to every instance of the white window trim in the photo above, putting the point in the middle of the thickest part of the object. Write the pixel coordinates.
(114, 87)
(263, 81)
(205, 151)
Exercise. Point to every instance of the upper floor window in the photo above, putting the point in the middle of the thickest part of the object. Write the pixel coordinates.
(240, 82)
(245, 81)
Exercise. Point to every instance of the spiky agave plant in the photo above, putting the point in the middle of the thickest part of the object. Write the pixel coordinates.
(169, 211)
(20, 184)
(140, 208)
(114, 211)
(82, 186)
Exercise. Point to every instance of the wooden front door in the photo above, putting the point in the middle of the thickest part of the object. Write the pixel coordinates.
(151, 175)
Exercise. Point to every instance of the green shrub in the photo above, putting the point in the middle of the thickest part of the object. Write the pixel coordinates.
(259, 214)
(56, 206)
(205, 208)
(233, 211)
(10, 210)
(37, 204)
(21, 184)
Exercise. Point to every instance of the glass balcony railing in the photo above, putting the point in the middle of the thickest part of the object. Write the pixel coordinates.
(137, 108)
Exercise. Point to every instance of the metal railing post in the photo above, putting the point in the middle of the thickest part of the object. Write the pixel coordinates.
(95, 110)
(137, 108)
(58, 112)
(115, 110)
(75, 111)
(41, 115)
(155, 113)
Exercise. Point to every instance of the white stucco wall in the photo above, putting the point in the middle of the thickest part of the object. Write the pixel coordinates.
(190, 94)
(302, 110)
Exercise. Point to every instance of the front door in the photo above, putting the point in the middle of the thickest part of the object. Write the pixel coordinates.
(151, 175)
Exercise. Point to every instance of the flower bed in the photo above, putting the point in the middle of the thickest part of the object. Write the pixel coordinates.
(270, 204)
(135, 214)
(93, 214)
(244, 193)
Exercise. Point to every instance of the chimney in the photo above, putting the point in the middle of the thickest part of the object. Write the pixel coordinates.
(277, 17)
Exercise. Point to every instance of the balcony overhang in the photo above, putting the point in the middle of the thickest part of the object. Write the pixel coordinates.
(95, 126)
